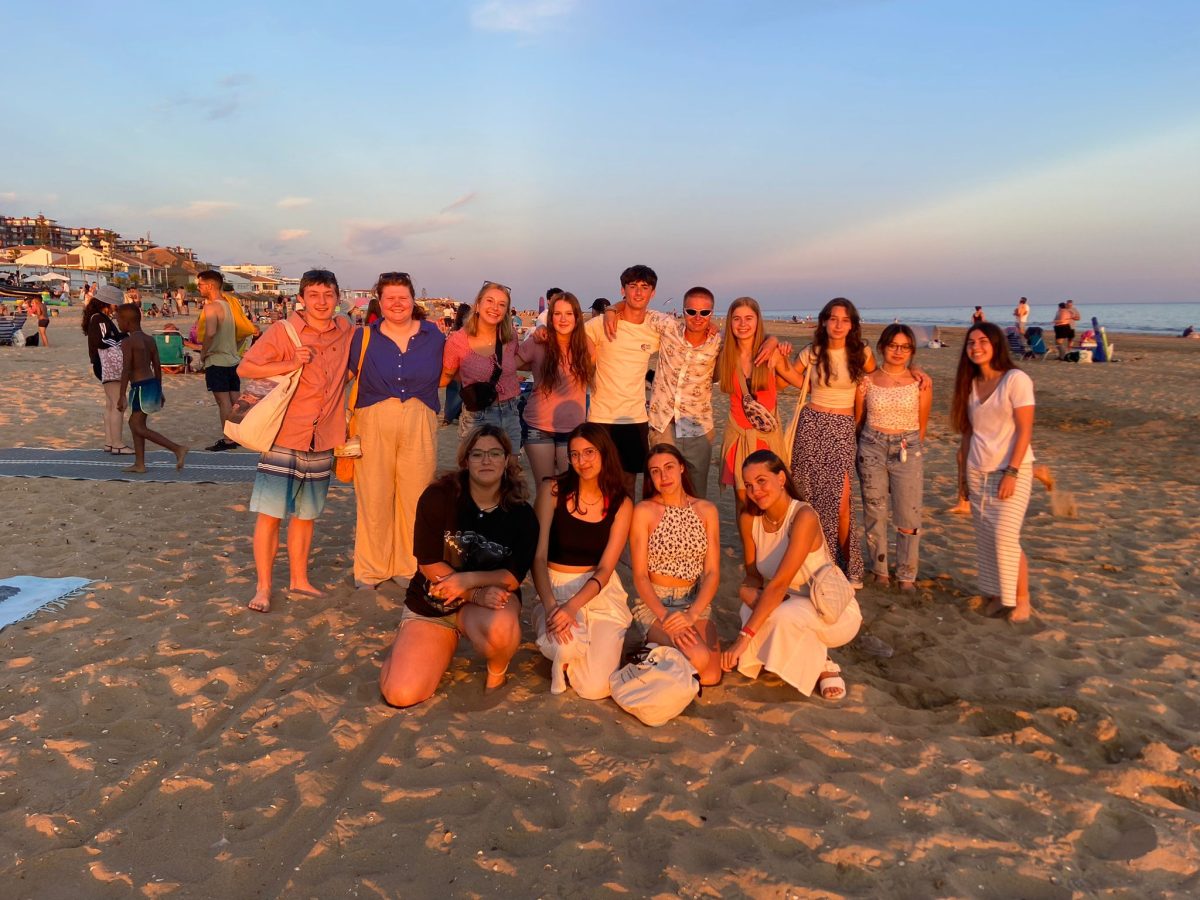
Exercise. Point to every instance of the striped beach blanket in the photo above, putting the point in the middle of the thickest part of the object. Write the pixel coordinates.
(23, 595)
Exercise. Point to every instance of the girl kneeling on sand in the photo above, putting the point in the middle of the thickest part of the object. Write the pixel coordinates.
(584, 518)
(474, 540)
(674, 547)
(783, 546)
(993, 411)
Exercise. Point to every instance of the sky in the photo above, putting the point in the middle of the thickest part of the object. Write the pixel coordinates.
(896, 153)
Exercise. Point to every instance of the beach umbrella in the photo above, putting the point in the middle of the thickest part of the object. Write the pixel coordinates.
(36, 278)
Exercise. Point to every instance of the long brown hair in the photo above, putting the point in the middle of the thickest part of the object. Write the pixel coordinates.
(730, 363)
(649, 489)
(968, 371)
(856, 347)
(612, 476)
(505, 327)
(93, 306)
(514, 490)
(775, 466)
(578, 358)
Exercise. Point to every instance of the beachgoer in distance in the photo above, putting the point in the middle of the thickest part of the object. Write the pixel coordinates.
(599, 305)
(977, 316)
(743, 370)
(1021, 315)
(39, 310)
(396, 414)
(993, 410)
(893, 412)
(1064, 333)
(474, 541)
(484, 357)
(103, 337)
(141, 375)
(219, 354)
(782, 546)
(563, 368)
(293, 476)
(584, 518)
(675, 554)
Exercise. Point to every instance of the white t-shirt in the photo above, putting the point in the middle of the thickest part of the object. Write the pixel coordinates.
(993, 424)
(619, 393)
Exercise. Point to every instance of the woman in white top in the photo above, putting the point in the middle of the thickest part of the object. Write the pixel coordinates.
(825, 446)
(783, 546)
(890, 447)
(993, 411)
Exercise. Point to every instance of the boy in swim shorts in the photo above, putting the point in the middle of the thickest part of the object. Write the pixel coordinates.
(142, 378)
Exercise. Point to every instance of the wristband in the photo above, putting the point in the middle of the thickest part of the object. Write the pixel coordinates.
(1012, 470)
(599, 586)
(748, 632)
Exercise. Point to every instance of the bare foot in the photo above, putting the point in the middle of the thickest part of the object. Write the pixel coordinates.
(1045, 476)
(908, 587)
(306, 590)
(1022, 611)
(261, 601)
(134, 468)
(495, 679)
(180, 455)
(963, 508)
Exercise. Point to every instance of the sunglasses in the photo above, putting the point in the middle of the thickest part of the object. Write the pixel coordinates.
(318, 273)
(389, 276)
(702, 313)
(496, 284)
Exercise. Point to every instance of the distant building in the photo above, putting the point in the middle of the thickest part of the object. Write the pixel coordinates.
(179, 263)
(250, 269)
(242, 283)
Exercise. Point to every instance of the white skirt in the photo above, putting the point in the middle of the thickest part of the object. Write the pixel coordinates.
(599, 639)
(794, 642)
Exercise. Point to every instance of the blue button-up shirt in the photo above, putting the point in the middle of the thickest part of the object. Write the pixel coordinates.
(389, 373)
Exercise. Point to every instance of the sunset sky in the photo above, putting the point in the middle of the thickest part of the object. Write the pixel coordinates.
(902, 153)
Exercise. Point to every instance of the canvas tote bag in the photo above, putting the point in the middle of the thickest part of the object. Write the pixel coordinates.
(258, 413)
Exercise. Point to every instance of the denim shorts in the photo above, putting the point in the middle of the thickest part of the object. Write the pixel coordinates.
(537, 436)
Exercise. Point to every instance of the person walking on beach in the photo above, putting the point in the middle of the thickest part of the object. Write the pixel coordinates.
(141, 375)
(398, 362)
(293, 476)
(104, 352)
(993, 410)
(474, 541)
(219, 354)
(1021, 315)
(890, 455)
(483, 356)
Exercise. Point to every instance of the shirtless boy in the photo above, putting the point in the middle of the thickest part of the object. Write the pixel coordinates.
(142, 378)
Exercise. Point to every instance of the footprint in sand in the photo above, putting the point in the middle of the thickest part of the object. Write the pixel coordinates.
(1119, 834)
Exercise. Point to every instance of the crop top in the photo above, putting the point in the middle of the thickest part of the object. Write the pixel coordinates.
(892, 409)
(574, 542)
(678, 544)
(839, 393)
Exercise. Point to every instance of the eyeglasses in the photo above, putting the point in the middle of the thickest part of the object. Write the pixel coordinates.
(496, 284)
(583, 455)
(388, 276)
(703, 313)
(901, 348)
(490, 455)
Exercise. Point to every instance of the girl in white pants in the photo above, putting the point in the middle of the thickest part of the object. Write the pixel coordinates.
(993, 411)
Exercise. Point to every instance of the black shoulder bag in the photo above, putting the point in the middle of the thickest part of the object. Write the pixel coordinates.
(479, 395)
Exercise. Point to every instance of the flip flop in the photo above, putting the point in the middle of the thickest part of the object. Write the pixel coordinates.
(122, 451)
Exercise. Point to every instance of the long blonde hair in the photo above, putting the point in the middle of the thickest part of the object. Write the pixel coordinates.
(506, 331)
(730, 365)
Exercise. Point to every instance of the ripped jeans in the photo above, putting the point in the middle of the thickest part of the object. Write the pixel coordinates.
(882, 475)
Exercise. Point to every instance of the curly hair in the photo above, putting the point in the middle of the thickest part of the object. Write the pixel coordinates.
(856, 347)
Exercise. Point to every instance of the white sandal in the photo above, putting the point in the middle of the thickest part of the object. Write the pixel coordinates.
(830, 684)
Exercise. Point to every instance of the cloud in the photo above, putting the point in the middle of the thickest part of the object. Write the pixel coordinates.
(373, 238)
(222, 102)
(460, 202)
(197, 209)
(520, 16)
(293, 202)
(8, 196)
(292, 234)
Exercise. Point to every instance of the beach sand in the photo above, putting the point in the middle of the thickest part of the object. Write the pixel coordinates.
(157, 739)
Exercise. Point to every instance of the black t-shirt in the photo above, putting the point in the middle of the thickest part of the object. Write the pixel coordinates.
(439, 512)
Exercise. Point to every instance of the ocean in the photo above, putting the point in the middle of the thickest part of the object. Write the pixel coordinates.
(1143, 318)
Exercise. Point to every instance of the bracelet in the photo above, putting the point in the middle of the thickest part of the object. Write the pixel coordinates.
(748, 632)
(1013, 471)
(599, 586)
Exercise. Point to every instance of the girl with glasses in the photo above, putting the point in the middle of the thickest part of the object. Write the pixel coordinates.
(893, 412)
(993, 411)
(398, 362)
(583, 519)
(753, 390)
(484, 357)
(474, 541)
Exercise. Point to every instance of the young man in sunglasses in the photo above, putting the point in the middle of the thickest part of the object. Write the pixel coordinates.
(681, 400)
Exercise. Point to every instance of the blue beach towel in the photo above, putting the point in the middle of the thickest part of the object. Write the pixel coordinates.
(22, 596)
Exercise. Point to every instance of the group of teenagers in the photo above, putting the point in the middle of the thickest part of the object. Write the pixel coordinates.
(461, 543)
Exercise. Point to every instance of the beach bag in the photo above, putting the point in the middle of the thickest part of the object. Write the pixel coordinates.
(479, 395)
(243, 328)
(466, 551)
(756, 414)
(258, 412)
(657, 687)
(789, 439)
(830, 592)
(345, 455)
(112, 363)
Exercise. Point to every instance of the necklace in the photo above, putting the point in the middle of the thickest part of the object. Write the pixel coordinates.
(580, 501)
(892, 378)
(774, 523)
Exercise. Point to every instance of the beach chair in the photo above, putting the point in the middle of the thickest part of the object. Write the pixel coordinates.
(10, 326)
(1037, 342)
(1104, 350)
(1016, 343)
(170, 352)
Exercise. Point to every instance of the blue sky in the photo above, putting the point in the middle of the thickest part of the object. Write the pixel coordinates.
(902, 153)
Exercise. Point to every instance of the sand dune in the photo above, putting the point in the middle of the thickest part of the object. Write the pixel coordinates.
(159, 740)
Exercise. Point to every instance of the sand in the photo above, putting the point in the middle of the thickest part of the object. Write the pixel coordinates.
(157, 739)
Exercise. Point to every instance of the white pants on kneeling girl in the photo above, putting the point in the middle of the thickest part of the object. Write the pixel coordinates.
(594, 652)
(794, 642)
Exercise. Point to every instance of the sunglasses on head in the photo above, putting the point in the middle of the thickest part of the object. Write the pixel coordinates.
(388, 276)
(318, 273)
(496, 284)
(703, 313)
